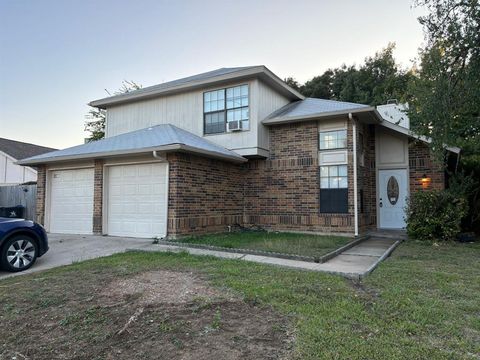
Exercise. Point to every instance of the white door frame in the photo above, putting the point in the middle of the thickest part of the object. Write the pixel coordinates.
(106, 166)
(377, 190)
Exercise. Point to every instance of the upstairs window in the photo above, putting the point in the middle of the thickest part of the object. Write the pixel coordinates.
(223, 106)
(333, 139)
(214, 111)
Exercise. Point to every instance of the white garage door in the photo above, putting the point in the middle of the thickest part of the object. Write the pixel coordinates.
(71, 201)
(137, 200)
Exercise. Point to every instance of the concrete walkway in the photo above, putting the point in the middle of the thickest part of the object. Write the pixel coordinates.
(355, 263)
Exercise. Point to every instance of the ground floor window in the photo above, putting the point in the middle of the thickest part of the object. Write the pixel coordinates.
(334, 189)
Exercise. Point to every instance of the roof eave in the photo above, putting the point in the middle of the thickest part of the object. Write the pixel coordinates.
(409, 133)
(252, 72)
(322, 115)
(164, 148)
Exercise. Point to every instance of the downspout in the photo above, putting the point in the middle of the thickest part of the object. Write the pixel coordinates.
(156, 156)
(167, 191)
(355, 190)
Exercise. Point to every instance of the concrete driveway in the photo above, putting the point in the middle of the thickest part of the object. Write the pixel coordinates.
(66, 249)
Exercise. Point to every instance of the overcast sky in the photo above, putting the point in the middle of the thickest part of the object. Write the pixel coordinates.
(56, 56)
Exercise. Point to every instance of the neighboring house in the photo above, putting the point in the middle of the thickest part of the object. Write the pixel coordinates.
(234, 146)
(10, 152)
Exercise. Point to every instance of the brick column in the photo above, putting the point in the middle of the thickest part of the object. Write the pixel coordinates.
(41, 183)
(422, 162)
(98, 197)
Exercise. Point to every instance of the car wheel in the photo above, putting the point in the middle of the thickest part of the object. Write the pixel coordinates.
(18, 253)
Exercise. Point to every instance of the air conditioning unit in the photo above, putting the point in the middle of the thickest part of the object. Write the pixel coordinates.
(235, 125)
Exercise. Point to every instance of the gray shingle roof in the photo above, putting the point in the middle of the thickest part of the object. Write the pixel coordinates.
(198, 81)
(21, 150)
(170, 84)
(164, 137)
(310, 107)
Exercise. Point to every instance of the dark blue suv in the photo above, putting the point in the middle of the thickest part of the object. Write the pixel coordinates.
(21, 242)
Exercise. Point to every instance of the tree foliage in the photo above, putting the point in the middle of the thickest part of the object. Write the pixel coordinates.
(446, 91)
(374, 82)
(445, 102)
(95, 123)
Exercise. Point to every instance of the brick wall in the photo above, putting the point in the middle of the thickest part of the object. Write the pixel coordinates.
(282, 192)
(41, 183)
(422, 162)
(98, 197)
(279, 193)
(205, 195)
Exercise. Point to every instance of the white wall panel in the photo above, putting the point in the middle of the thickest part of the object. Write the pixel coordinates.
(11, 173)
(186, 111)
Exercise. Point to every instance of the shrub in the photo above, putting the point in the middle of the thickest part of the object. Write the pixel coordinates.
(435, 215)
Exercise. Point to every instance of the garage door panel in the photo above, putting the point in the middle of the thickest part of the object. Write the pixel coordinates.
(71, 201)
(137, 200)
(144, 171)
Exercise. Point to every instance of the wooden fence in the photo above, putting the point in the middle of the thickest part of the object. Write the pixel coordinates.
(25, 195)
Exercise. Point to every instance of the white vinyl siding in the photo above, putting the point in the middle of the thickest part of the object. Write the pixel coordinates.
(186, 111)
(11, 173)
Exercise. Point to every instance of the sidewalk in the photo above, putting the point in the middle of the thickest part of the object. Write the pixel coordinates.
(354, 263)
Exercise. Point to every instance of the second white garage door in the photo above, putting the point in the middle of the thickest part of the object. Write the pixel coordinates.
(137, 200)
(71, 201)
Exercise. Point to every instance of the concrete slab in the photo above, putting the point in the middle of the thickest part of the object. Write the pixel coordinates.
(368, 250)
(350, 263)
(66, 249)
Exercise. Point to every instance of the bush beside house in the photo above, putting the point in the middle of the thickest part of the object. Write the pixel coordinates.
(435, 215)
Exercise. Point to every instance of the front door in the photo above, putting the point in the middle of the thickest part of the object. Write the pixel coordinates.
(392, 194)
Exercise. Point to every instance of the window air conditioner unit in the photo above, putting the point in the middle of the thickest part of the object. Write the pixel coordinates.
(235, 125)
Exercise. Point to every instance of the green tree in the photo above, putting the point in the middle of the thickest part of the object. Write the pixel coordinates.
(292, 82)
(445, 103)
(95, 123)
(374, 82)
(445, 93)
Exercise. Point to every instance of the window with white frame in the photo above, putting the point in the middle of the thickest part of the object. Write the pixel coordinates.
(226, 105)
(333, 189)
(333, 177)
(336, 139)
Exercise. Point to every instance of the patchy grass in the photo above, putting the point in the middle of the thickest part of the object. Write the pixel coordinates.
(287, 243)
(422, 303)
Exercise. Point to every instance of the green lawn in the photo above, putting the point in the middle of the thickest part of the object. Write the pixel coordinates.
(421, 303)
(287, 243)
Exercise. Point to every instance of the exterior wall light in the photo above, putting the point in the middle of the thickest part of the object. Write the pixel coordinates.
(425, 181)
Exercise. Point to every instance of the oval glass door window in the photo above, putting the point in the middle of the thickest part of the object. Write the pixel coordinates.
(392, 190)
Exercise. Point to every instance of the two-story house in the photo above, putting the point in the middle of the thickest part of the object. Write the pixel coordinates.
(234, 146)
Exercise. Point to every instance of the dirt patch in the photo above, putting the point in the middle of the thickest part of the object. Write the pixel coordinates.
(367, 294)
(163, 286)
(154, 315)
